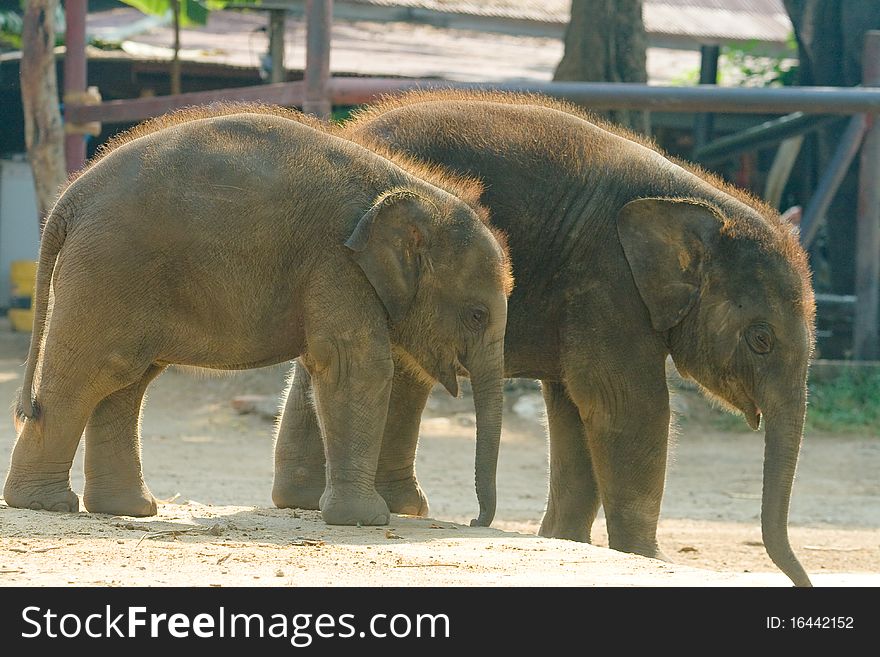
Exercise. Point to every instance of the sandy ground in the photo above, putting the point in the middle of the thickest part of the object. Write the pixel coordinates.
(220, 529)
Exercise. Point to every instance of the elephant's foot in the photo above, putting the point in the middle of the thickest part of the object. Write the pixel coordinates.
(298, 488)
(48, 496)
(138, 502)
(570, 531)
(343, 506)
(573, 524)
(404, 496)
(635, 544)
(645, 550)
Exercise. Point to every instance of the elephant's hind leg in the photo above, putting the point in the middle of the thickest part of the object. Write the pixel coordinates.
(627, 433)
(85, 359)
(573, 499)
(39, 473)
(299, 450)
(114, 481)
(396, 475)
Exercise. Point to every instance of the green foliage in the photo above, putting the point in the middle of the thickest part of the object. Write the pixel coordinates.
(847, 402)
(687, 79)
(10, 29)
(102, 44)
(743, 66)
(12, 24)
(342, 113)
(192, 12)
(748, 69)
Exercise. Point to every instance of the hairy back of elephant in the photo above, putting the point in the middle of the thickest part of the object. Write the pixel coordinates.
(555, 177)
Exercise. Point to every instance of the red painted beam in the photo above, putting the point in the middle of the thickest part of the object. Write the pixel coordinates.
(74, 78)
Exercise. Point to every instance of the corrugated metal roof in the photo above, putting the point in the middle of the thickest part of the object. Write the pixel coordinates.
(428, 49)
(552, 11)
(672, 17)
(373, 48)
(748, 6)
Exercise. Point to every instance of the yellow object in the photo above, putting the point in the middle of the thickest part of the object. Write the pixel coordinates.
(22, 278)
(21, 320)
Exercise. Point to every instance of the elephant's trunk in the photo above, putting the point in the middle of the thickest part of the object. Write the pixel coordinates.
(782, 443)
(486, 382)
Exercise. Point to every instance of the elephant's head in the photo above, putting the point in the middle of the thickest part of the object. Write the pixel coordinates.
(444, 278)
(732, 295)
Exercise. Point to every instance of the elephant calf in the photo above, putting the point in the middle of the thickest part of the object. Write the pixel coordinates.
(622, 258)
(238, 241)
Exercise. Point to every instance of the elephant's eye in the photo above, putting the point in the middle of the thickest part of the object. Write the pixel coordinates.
(760, 338)
(475, 317)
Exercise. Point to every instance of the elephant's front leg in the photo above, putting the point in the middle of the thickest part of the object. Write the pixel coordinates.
(573, 498)
(626, 415)
(351, 376)
(396, 475)
(299, 450)
(114, 481)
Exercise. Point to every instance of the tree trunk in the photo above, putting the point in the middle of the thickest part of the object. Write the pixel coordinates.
(175, 58)
(830, 36)
(605, 42)
(43, 129)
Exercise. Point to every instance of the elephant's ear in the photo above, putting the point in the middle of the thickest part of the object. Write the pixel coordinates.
(665, 242)
(387, 244)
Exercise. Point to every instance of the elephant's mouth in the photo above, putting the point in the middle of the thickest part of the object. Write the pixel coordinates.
(447, 374)
(752, 412)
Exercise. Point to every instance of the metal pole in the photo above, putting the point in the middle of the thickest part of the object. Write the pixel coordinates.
(319, 14)
(632, 95)
(866, 333)
(75, 78)
(708, 75)
(276, 45)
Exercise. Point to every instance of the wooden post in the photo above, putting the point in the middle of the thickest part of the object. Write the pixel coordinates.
(75, 78)
(276, 45)
(866, 334)
(319, 14)
(847, 149)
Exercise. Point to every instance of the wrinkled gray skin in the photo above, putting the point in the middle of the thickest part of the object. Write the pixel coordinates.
(621, 259)
(237, 242)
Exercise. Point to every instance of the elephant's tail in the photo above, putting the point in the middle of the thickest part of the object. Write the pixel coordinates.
(54, 233)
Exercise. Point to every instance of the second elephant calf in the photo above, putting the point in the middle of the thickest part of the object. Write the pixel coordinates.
(242, 240)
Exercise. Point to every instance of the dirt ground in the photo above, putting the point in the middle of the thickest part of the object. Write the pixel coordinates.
(213, 466)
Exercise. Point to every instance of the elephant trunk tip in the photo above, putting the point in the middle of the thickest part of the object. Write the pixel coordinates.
(486, 493)
(484, 519)
(783, 556)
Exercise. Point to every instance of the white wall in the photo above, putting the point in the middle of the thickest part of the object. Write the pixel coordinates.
(19, 227)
